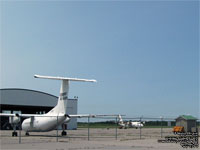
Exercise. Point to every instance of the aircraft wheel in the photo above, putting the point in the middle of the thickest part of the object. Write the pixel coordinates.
(14, 133)
(64, 133)
(27, 134)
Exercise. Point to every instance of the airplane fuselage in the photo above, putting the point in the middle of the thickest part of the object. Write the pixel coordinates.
(131, 125)
(136, 124)
(43, 123)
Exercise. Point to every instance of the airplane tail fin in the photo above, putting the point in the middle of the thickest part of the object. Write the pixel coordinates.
(120, 119)
(61, 106)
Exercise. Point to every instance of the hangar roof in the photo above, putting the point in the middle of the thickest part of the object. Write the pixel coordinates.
(27, 97)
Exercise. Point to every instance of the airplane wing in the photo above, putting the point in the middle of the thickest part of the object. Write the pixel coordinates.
(20, 115)
(43, 115)
(27, 115)
(7, 115)
(82, 116)
(90, 115)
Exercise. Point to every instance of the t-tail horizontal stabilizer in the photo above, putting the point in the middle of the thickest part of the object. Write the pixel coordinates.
(64, 78)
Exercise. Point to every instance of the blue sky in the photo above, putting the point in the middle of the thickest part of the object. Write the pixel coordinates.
(144, 55)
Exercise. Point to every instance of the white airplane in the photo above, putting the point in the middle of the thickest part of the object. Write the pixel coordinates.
(130, 124)
(52, 119)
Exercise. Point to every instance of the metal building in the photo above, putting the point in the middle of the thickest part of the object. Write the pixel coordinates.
(25, 101)
(188, 122)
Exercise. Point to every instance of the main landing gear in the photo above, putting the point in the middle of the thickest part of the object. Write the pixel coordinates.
(14, 133)
(64, 127)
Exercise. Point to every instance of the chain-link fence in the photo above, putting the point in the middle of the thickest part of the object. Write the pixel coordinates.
(142, 128)
(98, 128)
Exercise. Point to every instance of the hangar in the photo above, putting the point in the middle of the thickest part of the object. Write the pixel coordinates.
(26, 101)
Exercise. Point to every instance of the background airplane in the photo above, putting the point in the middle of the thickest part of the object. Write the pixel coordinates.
(129, 124)
(52, 119)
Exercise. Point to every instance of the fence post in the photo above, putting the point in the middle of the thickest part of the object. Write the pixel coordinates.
(116, 130)
(161, 132)
(20, 128)
(88, 128)
(140, 128)
(57, 130)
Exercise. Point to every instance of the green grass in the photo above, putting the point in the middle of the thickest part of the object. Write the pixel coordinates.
(97, 125)
(158, 126)
(111, 125)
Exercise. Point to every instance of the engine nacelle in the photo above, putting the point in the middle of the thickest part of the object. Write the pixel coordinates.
(67, 120)
(14, 120)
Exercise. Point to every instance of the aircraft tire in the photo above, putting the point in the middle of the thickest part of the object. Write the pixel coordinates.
(14, 133)
(27, 134)
(64, 133)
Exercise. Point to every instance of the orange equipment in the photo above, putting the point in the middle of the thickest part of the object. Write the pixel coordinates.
(178, 129)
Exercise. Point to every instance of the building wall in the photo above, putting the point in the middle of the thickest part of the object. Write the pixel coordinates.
(191, 124)
(182, 122)
(72, 109)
